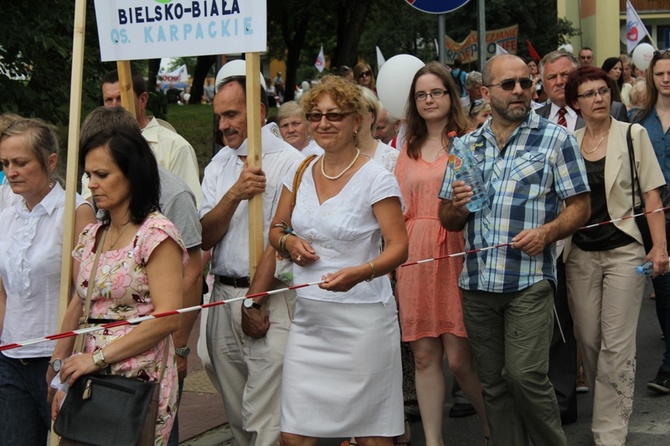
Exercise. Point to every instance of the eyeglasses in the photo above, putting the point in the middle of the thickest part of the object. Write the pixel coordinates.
(435, 94)
(365, 74)
(591, 94)
(509, 84)
(330, 116)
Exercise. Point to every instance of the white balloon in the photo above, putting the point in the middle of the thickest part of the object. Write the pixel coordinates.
(237, 67)
(567, 47)
(642, 55)
(394, 81)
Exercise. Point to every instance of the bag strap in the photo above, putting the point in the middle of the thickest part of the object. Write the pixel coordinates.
(633, 172)
(89, 292)
(298, 178)
(164, 362)
(91, 284)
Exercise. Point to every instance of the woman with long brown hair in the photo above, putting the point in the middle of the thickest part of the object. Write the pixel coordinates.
(430, 300)
(655, 118)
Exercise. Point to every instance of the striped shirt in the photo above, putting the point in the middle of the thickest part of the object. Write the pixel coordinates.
(527, 180)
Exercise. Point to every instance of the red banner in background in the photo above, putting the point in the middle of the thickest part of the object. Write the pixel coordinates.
(468, 49)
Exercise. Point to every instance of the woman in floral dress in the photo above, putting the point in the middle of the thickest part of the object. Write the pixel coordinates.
(139, 272)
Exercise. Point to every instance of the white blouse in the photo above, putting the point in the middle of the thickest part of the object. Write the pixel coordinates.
(386, 155)
(343, 231)
(31, 244)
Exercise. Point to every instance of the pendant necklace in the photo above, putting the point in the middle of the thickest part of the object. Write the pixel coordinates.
(588, 152)
(337, 177)
(109, 248)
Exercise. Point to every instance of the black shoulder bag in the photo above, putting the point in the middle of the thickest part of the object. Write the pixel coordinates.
(109, 410)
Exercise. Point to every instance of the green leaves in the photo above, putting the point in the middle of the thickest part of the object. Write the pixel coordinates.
(36, 49)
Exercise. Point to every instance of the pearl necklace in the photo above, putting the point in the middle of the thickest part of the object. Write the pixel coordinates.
(588, 152)
(337, 177)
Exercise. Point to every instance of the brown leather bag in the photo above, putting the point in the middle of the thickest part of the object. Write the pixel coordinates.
(258, 325)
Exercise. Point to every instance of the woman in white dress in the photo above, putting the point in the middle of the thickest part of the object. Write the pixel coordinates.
(342, 373)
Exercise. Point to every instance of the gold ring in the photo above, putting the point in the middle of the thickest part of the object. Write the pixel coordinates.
(299, 258)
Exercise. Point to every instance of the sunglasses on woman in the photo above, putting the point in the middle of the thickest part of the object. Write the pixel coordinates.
(330, 116)
(367, 73)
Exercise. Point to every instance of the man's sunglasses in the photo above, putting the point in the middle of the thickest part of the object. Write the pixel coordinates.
(509, 84)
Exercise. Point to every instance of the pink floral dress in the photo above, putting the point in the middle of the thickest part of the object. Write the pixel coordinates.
(122, 292)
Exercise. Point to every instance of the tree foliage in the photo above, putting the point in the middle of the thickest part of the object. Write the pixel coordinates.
(537, 20)
(36, 52)
(296, 32)
(36, 43)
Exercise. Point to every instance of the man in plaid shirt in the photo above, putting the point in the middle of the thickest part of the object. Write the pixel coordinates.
(531, 168)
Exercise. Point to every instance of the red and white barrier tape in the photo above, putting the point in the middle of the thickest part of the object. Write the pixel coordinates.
(68, 334)
(137, 320)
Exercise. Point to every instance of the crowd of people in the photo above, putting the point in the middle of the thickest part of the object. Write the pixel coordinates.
(535, 309)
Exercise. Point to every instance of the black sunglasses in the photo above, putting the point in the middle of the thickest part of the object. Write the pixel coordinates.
(509, 84)
(365, 74)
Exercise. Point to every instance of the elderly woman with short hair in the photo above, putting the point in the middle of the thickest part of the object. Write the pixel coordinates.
(295, 129)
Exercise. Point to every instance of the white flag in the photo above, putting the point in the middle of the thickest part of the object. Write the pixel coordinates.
(178, 75)
(635, 29)
(380, 59)
(320, 63)
(500, 50)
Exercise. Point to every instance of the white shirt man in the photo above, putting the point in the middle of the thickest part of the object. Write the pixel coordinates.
(248, 369)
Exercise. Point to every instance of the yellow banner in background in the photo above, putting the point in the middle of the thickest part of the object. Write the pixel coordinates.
(468, 49)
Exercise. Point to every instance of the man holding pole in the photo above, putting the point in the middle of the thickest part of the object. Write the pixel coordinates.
(248, 368)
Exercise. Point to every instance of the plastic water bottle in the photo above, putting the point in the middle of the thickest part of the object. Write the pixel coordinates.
(465, 167)
(646, 269)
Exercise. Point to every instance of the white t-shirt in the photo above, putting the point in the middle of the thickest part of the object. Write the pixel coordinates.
(343, 231)
(386, 155)
(230, 256)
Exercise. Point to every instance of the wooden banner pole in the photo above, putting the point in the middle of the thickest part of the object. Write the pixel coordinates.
(253, 69)
(126, 86)
(76, 82)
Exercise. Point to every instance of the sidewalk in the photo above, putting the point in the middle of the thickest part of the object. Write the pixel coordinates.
(201, 409)
(203, 421)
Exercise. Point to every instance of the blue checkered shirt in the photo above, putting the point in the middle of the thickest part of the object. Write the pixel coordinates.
(538, 168)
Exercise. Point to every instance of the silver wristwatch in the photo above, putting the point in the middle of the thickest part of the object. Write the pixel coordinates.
(182, 351)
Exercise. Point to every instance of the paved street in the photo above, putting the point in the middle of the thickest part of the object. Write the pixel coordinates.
(650, 422)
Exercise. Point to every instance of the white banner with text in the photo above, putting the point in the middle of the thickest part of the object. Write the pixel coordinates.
(152, 29)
